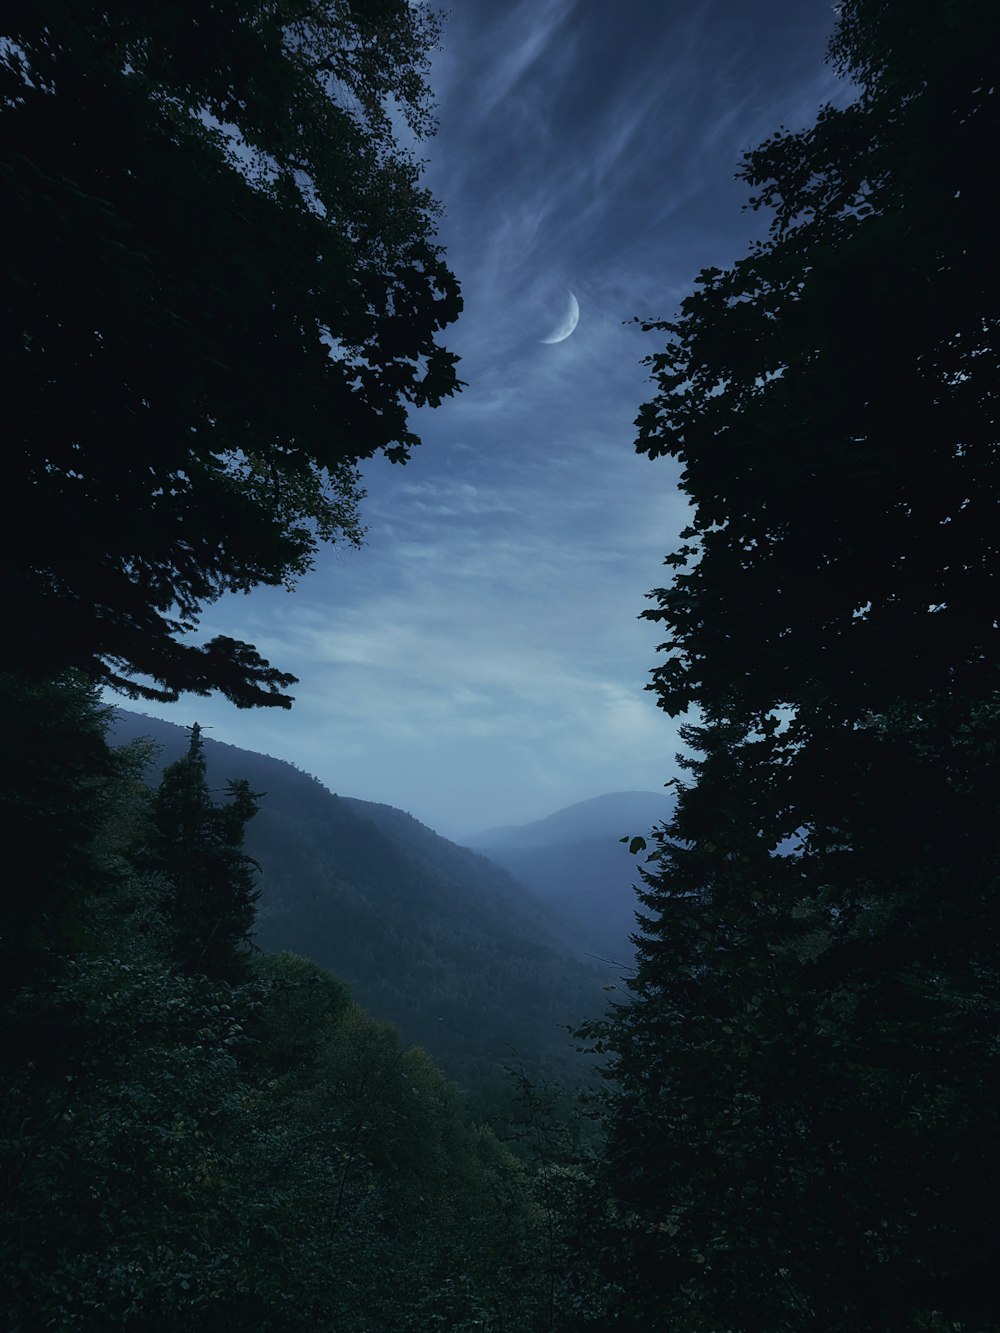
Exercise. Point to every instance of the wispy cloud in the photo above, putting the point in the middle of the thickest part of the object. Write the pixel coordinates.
(481, 660)
(530, 38)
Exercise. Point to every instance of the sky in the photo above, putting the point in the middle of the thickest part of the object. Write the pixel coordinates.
(481, 660)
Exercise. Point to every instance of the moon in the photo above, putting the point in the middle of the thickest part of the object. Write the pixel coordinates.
(569, 323)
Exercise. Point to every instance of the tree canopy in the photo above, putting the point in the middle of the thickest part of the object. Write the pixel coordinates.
(802, 1127)
(221, 292)
(832, 398)
(197, 845)
(197, 1135)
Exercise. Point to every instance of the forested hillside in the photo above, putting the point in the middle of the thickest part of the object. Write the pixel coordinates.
(430, 936)
(200, 1135)
(579, 864)
(223, 292)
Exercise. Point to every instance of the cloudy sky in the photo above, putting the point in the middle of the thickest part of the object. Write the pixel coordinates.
(481, 660)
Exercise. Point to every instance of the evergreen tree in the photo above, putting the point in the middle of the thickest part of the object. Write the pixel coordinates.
(54, 772)
(198, 847)
(802, 1122)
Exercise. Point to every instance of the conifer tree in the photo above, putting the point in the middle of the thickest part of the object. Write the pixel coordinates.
(54, 771)
(198, 846)
(803, 1122)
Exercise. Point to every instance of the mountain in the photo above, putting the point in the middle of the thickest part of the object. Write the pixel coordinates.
(430, 936)
(577, 866)
(614, 815)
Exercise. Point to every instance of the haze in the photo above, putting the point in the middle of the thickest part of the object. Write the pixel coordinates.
(481, 661)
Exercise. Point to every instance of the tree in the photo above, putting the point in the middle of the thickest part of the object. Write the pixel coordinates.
(222, 291)
(801, 1126)
(55, 774)
(198, 846)
(180, 1151)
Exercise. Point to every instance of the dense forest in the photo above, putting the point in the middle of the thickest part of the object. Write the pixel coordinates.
(430, 936)
(797, 1122)
(201, 1135)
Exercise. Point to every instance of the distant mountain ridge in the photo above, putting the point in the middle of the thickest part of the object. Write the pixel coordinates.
(430, 936)
(614, 814)
(576, 864)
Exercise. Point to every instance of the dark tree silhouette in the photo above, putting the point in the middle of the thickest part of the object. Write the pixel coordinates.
(221, 291)
(54, 771)
(198, 846)
(802, 1124)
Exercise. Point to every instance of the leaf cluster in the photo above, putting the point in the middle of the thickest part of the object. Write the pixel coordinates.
(223, 293)
(185, 1147)
(801, 1128)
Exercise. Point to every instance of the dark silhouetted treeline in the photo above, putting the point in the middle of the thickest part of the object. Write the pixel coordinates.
(803, 1123)
(430, 936)
(198, 1135)
(800, 1120)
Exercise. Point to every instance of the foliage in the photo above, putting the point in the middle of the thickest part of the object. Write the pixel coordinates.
(222, 292)
(558, 1145)
(801, 1123)
(430, 936)
(53, 774)
(197, 845)
(832, 401)
(243, 1149)
(120, 1208)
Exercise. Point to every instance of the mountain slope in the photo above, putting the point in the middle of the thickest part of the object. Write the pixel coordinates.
(612, 815)
(578, 867)
(431, 936)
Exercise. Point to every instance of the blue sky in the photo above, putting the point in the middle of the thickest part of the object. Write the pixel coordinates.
(480, 661)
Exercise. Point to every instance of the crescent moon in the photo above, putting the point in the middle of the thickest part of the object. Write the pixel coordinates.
(568, 324)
